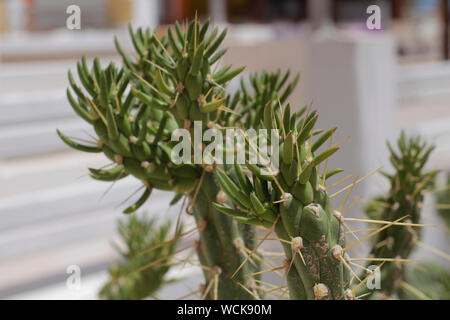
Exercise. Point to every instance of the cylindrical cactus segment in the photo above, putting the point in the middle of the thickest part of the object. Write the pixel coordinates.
(403, 201)
(294, 202)
(135, 109)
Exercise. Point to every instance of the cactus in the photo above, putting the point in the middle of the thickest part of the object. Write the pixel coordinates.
(138, 235)
(443, 202)
(294, 203)
(265, 88)
(426, 281)
(402, 203)
(134, 111)
(173, 82)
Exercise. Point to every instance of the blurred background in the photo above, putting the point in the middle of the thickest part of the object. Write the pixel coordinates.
(369, 83)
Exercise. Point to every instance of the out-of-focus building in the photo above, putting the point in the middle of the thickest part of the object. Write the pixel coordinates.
(419, 26)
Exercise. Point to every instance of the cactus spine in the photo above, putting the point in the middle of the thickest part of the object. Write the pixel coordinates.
(403, 203)
(135, 109)
(294, 203)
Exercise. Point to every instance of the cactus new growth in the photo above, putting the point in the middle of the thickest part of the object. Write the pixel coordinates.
(132, 279)
(402, 204)
(135, 109)
(293, 202)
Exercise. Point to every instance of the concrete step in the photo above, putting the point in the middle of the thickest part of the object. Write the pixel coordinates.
(39, 138)
(66, 214)
(420, 81)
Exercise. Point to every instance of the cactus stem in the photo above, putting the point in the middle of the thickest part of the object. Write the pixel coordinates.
(256, 247)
